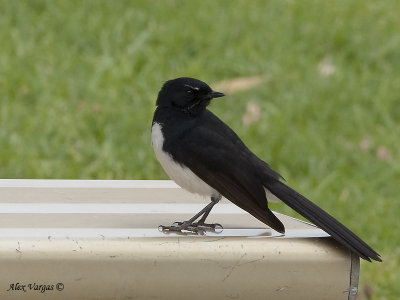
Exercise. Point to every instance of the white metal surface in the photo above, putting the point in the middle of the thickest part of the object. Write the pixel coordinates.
(99, 240)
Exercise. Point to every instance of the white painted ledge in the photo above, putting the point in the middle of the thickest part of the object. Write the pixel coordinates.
(110, 184)
(100, 240)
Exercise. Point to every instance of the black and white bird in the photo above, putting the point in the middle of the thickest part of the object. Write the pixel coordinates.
(204, 156)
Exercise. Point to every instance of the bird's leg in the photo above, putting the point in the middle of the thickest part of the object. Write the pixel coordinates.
(201, 222)
(193, 226)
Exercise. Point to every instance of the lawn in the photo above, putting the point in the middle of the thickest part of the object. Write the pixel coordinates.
(79, 79)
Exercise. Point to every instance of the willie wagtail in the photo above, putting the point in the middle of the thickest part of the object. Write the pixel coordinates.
(204, 156)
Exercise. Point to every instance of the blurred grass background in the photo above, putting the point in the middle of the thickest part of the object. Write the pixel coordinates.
(79, 79)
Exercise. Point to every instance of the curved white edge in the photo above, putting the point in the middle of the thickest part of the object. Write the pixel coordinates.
(113, 208)
(59, 183)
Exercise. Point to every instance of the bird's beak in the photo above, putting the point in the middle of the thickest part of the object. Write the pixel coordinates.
(214, 94)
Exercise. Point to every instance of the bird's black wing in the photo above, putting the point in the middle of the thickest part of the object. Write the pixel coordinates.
(215, 154)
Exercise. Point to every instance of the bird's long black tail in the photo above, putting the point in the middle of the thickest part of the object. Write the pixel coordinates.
(322, 219)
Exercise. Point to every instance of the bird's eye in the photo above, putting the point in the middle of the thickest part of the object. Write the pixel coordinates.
(189, 92)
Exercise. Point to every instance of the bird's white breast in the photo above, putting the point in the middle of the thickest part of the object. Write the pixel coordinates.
(183, 176)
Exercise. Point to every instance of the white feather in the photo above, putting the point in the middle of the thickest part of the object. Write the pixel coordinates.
(183, 176)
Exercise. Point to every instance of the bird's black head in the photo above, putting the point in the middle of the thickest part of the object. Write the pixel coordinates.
(187, 94)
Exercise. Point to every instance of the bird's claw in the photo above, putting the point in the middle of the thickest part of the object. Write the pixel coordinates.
(196, 227)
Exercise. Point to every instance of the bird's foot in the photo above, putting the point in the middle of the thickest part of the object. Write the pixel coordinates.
(195, 227)
(214, 227)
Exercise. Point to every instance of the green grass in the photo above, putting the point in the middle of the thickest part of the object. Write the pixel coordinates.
(78, 82)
